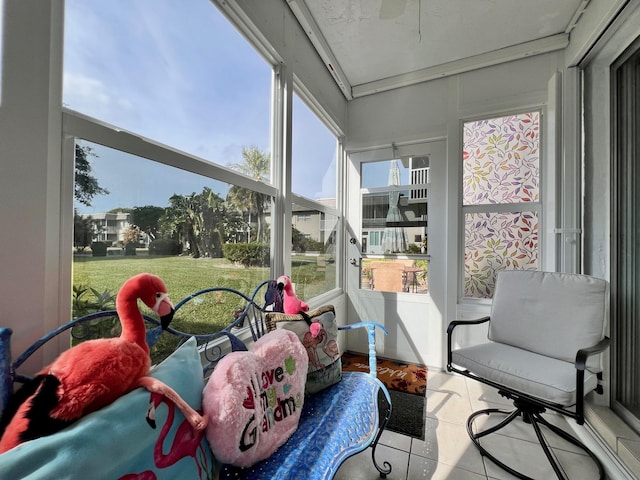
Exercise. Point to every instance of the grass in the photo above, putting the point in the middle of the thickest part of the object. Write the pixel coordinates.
(185, 275)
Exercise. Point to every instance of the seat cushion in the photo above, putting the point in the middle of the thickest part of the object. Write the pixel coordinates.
(540, 376)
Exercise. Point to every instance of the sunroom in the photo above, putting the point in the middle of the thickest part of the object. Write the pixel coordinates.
(350, 140)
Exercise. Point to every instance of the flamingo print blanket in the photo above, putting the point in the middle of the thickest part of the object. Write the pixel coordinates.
(116, 442)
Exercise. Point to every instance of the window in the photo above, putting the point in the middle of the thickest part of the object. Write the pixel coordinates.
(195, 96)
(314, 205)
(177, 224)
(500, 198)
(176, 72)
(314, 150)
(394, 195)
(625, 257)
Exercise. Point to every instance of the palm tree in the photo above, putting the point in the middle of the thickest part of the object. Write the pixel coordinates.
(182, 221)
(256, 165)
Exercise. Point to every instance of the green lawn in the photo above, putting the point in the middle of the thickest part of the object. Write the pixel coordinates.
(185, 275)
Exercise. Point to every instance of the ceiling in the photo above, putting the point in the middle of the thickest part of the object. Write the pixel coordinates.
(375, 45)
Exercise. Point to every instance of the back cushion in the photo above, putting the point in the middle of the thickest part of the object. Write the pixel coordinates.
(554, 314)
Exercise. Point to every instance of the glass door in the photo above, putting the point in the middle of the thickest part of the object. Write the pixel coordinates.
(396, 217)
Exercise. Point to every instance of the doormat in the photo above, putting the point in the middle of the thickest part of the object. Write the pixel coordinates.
(407, 413)
(409, 378)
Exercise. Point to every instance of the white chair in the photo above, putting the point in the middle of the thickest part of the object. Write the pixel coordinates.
(546, 338)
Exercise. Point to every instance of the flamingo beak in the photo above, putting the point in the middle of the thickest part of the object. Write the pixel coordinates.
(164, 308)
(165, 320)
(151, 415)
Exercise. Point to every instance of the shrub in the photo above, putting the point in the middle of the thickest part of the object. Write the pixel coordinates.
(99, 249)
(165, 246)
(247, 254)
(81, 305)
(130, 249)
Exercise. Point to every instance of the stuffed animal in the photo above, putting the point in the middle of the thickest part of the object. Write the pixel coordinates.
(291, 303)
(273, 297)
(94, 373)
(294, 306)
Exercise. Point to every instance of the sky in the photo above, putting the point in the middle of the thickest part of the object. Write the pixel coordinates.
(179, 73)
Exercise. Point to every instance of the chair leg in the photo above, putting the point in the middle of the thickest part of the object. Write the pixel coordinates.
(539, 419)
(530, 414)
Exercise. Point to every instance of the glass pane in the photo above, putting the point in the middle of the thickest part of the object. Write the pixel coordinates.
(190, 230)
(174, 71)
(395, 275)
(314, 150)
(313, 262)
(394, 221)
(501, 160)
(394, 216)
(497, 241)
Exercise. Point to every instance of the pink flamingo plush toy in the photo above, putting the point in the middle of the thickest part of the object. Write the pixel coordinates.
(94, 373)
(293, 305)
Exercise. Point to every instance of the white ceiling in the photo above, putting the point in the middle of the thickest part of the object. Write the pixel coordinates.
(375, 45)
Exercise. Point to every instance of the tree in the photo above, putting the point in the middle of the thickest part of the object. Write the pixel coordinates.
(201, 222)
(86, 186)
(147, 218)
(180, 222)
(131, 235)
(256, 164)
(82, 231)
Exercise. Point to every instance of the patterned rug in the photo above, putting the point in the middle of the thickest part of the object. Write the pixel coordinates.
(407, 385)
(399, 376)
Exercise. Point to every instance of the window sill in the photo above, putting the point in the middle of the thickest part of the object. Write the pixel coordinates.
(622, 441)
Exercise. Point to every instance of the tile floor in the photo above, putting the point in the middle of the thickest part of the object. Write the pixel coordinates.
(448, 453)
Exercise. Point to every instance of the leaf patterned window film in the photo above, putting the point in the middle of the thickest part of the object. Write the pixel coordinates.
(501, 162)
(497, 241)
(500, 199)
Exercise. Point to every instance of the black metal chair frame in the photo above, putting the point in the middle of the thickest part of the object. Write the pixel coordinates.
(530, 408)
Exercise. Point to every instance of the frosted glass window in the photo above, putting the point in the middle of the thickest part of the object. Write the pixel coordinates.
(500, 198)
(501, 160)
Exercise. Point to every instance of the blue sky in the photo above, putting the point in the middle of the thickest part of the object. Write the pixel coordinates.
(178, 72)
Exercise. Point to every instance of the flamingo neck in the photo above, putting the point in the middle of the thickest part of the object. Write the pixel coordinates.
(158, 454)
(133, 329)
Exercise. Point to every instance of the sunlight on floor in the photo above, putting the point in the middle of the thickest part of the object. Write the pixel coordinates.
(448, 453)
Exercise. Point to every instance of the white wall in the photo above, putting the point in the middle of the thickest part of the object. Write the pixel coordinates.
(30, 139)
(433, 110)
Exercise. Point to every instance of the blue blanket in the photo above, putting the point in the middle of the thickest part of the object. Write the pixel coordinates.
(118, 443)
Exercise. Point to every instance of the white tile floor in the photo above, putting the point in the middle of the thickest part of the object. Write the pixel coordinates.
(448, 453)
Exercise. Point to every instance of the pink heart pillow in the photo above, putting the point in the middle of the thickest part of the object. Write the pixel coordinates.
(254, 399)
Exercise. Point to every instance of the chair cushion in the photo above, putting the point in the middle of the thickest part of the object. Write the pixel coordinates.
(540, 376)
(553, 314)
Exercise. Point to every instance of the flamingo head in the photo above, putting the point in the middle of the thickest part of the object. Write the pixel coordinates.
(152, 291)
(284, 283)
(154, 401)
